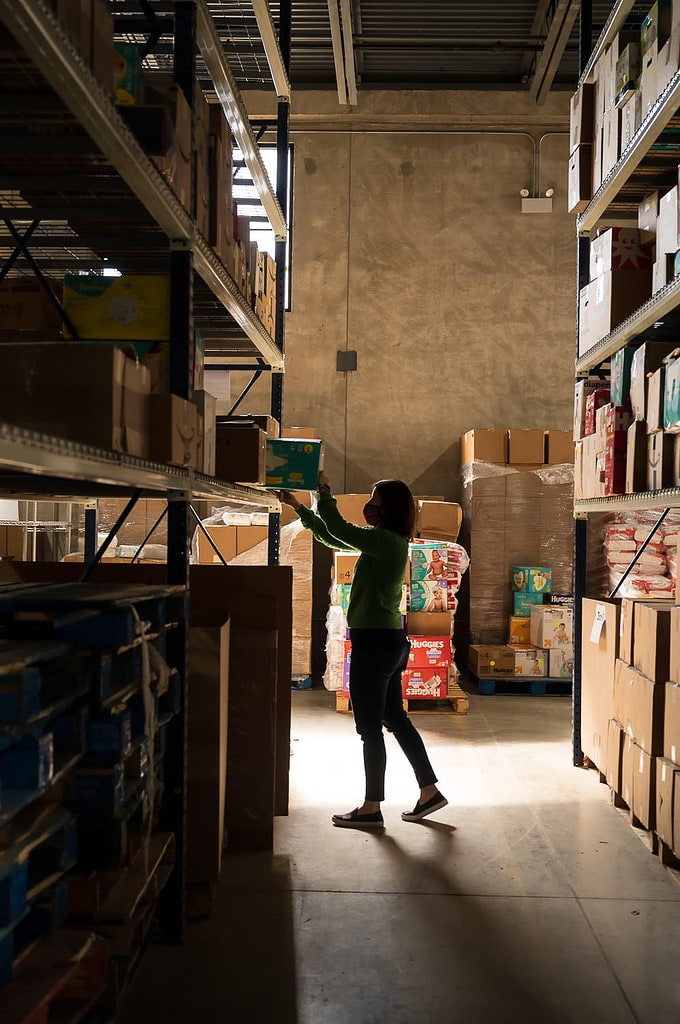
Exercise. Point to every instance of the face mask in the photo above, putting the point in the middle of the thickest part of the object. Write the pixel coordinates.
(372, 515)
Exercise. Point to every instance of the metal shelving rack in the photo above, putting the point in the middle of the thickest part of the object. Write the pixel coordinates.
(650, 161)
(104, 201)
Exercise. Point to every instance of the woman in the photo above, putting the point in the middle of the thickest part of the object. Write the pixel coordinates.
(380, 647)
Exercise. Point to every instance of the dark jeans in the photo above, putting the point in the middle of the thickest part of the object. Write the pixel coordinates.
(379, 656)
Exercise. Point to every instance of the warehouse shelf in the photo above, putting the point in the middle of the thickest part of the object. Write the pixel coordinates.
(662, 304)
(66, 470)
(40, 35)
(641, 500)
(615, 22)
(639, 154)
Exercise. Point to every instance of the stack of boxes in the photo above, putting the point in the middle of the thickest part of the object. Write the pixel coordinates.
(631, 706)
(540, 634)
(629, 76)
(655, 572)
(512, 515)
(628, 437)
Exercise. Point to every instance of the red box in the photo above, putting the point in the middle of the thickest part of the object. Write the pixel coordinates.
(618, 421)
(424, 683)
(430, 652)
(345, 666)
(594, 402)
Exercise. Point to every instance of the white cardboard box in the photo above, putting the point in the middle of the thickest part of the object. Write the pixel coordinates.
(552, 626)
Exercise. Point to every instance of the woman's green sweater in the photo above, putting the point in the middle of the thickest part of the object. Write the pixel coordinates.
(379, 574)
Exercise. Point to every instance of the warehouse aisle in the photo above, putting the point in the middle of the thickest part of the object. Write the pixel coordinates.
(528, 899)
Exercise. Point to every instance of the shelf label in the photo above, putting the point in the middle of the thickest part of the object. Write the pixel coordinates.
(598, 623)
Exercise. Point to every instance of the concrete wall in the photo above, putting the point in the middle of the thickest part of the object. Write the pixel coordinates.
(409, 247)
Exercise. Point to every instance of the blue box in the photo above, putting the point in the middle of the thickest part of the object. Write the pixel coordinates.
(109, 735)
(99, 788)
(19, 695)
(293, 464)
(28, 764)
(523, 603)
(531, 579)
(620, 382)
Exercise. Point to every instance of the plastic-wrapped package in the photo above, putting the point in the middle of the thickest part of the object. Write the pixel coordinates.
(336, 638)
(643, 586)
(623, 535)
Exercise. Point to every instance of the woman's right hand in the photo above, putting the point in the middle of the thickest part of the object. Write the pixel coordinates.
(288, 498)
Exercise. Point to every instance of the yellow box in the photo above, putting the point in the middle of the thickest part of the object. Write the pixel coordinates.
(520, 630)
(133, 307)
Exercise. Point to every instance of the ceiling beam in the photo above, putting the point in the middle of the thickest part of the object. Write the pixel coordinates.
(537, 29)
(271, 49)
(338, 59)
(566, 12)
(350, 73)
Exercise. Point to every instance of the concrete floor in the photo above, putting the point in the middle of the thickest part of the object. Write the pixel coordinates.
(528, 899)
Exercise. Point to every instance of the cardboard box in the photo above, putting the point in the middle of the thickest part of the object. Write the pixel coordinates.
(240, 454)
(667, 224)
(610, 140)
(659, 460)
(671, 722)
(618, 422)
(429, 623)
(296, 432)
(224, 538)
(174, 161)
(620, 375)
(644, 788)
(487, 661)
(656, 389)
(667, 783)
(424, 683)
(173, 431)
(101, 41)
(649, 89)
(627, 770)
(599, 647)
(636, 458)
(344, 565)
(651, 639)
(207, 761)
(671, 404)
(133, 307)
(663, 272)
(430, 596)
(630, 120)
(581, 116)
(438, 520)
(648, 212)
(646, 359)
(26, 306)
(293, 464)
(674, 647)
(519, 631)
(628, 69)
(626, 630)
(430, 651)
(614, 756)
(559, 447)
(351, 507)
(202, 160)
(484, 446)
(41, 388)
(220, 173)
(585, 388)
(656, 26)
(530, 662)
(561, 662)
(523, 602)
(580, 179)
(532, 579)
(269, 424)
(207, 431)
(618, 249)
(613, 296)
(551, 626)
(526, 447)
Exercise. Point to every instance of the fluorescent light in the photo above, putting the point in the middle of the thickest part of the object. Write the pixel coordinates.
(338, 59)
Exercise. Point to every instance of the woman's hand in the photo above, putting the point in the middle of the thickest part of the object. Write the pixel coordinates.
(324, 483)
(288, 498)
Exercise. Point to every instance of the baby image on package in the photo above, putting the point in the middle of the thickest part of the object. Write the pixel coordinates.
(428, 596)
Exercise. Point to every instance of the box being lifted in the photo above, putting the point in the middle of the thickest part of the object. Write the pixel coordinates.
(293, 464)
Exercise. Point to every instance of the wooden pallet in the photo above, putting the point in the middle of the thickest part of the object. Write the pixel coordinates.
(456, 704)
